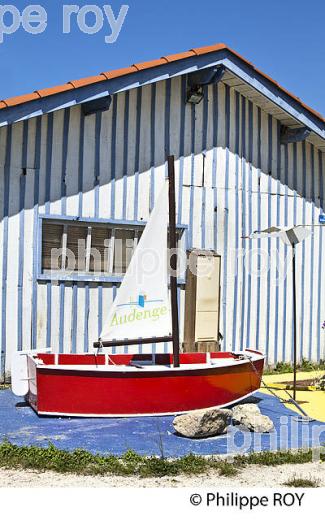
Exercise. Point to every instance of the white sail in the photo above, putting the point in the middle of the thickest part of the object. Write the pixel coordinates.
(141, 308)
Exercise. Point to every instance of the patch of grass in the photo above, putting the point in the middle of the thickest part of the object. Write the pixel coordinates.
(227, 470)
(308, 366)
(280, 368)
(4, 387)
(286, 368)
(161, 467)
(302, 482)
(82, 462)
(320, 383)
(277, 458)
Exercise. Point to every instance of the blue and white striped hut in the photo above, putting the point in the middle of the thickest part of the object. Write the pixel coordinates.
(86, 160)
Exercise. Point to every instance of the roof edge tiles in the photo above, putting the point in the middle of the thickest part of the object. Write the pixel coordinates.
(177, 57)
(104, 76)
(19, 100)
(84, 82)
(210, 48)
(150, 64)
(45, 92)
(112, 74)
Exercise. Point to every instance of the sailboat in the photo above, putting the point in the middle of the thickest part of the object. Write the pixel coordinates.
(145, 311)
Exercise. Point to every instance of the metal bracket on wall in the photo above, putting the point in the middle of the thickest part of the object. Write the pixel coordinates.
(293, 135)
(96, 105)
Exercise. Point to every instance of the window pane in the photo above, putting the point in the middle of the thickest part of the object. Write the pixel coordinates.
(51, 241)
(123, 249)
(100, 249)
(76, 248)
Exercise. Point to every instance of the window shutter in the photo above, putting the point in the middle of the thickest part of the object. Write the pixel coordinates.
(123, 249)
(100, 250)
(51, 239)
(76, 247)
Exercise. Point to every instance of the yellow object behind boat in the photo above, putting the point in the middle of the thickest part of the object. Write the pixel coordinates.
(312, 402)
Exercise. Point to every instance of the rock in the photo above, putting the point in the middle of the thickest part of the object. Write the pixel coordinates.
(202, 423)
(258, 423)
(240, 411)
(250, 417)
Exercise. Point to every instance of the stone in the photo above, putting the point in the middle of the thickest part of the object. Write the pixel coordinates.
(240, 411)
(250, 417)
(202, 423)
(258, 423)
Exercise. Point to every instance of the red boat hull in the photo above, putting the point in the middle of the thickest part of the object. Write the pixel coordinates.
(80, 385)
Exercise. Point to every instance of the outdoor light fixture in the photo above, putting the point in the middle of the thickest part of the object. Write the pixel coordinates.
(197, 80)
(292, 237)
(195, 95)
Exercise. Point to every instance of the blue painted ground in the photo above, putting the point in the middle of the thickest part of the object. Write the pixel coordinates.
(151, 436)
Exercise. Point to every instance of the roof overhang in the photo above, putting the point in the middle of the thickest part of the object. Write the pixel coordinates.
(241, 75)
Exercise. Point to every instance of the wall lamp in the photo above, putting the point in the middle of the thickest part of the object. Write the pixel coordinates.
(197, 80)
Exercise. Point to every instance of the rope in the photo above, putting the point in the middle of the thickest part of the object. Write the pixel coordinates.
(270, 389)
(101, 346)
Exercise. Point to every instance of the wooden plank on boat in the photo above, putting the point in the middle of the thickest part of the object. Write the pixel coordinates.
(137, 341)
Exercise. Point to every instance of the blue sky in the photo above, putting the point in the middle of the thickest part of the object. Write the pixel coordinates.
(284, 38)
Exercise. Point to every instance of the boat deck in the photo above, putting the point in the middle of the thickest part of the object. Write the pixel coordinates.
(108, 364)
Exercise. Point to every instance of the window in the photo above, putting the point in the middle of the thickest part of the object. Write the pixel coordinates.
(78, 249)
(87, 248)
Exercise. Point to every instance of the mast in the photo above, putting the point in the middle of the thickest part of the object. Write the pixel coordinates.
(150, 236)
(173, 258)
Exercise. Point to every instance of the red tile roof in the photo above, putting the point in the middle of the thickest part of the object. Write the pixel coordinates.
(103, 76)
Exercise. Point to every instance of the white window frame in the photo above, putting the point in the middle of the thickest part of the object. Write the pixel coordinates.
(87, 276)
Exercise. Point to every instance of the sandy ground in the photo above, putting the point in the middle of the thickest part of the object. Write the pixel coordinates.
(260, 476)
